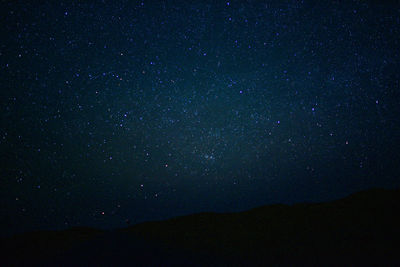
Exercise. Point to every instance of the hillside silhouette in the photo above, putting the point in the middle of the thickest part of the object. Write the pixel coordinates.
(359, 230)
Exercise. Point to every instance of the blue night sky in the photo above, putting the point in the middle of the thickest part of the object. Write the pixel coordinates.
(128, 110)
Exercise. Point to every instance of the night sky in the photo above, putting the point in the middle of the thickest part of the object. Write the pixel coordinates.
(129, 111)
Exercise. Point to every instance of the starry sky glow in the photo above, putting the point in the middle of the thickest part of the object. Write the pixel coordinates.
(133, 111)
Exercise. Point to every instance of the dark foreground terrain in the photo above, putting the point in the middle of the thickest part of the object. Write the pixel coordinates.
(362, 229)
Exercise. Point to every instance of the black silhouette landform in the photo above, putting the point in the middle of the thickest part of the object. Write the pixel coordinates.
(362, 229)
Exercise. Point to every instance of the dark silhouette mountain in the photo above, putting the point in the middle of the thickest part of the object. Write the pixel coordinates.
(360, 230)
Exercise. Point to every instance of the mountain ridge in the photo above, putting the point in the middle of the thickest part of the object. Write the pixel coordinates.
(360, 229)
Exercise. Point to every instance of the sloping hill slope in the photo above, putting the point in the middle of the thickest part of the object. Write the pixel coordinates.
(362, 229)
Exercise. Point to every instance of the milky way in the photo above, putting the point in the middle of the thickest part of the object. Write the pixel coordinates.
(139, 111)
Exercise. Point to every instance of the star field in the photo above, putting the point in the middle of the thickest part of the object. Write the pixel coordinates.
(133, 111)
